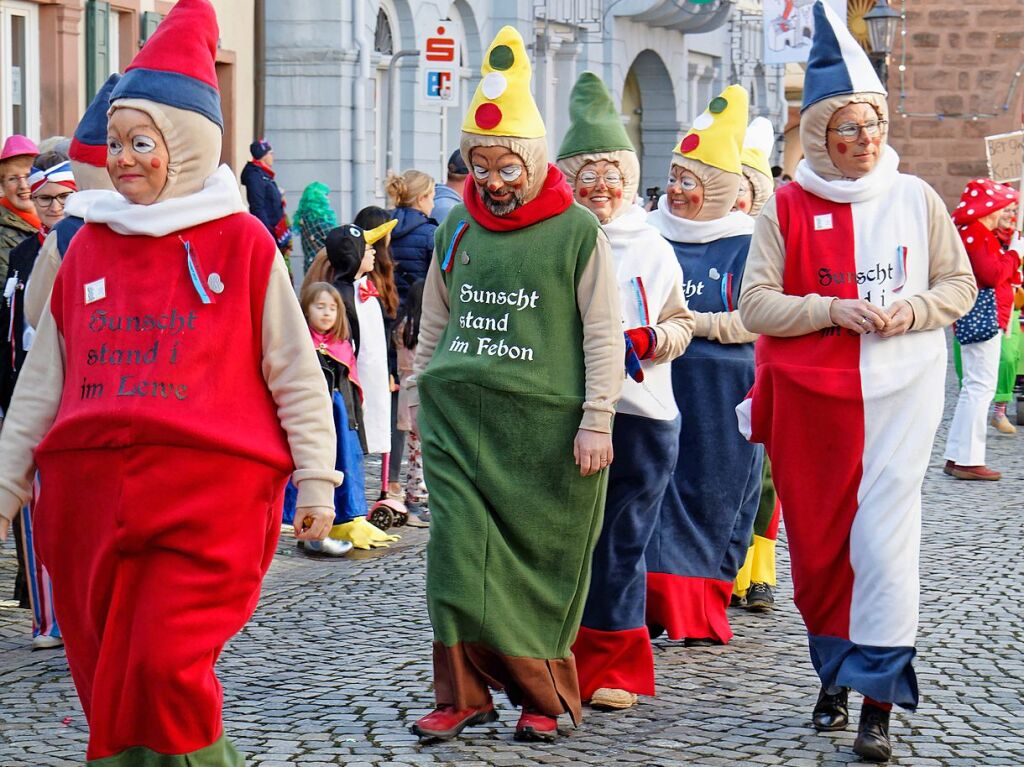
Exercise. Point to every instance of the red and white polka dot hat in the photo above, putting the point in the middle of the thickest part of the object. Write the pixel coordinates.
(981, 197)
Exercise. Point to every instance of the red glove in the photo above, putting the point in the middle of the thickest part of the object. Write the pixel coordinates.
(644, 341)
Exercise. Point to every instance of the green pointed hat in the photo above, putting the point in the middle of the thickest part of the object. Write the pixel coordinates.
(596, 123)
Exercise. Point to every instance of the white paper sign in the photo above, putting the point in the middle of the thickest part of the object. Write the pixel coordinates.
(789, 28)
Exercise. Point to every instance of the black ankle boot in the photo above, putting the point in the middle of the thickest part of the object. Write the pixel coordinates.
(872, 741)
(831, 712)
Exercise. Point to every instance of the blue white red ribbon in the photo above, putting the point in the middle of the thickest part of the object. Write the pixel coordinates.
(194, 274)
(449, 254)
(901, 269)
(640, 293)
(727, 292)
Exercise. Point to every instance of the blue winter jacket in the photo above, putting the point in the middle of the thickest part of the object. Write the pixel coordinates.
(445, 198)
(264, 197)
(412, 245)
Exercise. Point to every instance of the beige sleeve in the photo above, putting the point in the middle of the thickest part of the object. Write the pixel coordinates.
(604, 347)
(433, 320)
(952, 288)
(37, 291)
(723, 327)
(31, 414)
(674, 330)
(297, 384)
(764, 308)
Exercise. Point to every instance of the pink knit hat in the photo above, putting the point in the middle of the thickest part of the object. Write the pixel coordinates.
(17, 146)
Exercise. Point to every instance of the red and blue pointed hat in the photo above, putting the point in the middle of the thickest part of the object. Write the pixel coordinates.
(89, 144)
(177, 65)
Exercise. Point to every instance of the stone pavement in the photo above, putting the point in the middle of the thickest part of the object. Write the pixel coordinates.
(336, 664)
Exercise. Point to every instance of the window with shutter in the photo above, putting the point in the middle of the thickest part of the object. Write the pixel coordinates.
(150, 21)
(97, 45)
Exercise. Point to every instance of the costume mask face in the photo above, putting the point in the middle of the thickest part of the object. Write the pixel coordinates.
(599, 187)
(854, 139)
(137, 156)
(685, 193)
(500, 177)
(745, 199)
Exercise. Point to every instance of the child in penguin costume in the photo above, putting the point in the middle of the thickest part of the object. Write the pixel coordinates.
(161, 456)
(613, 649)
(517, 371)
(850, 379)
(712, 497)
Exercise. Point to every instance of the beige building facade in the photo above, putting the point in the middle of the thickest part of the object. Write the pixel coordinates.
(54, 54)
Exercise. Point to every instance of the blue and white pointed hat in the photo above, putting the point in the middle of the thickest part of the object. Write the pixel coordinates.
(837, 65)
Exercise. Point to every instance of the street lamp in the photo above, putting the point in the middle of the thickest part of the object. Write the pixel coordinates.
(882, 22)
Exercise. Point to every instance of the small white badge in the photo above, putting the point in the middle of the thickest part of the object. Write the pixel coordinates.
(713, 274)
(824, 221)
(10, 287)
(214, 283)
(96, 290)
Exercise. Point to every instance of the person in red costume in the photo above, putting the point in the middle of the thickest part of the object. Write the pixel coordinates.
(977, 216)
(170, 393)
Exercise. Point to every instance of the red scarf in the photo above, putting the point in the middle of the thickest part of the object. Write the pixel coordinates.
(263, 166)
(555, 197)
(339, 351)
(29, 218)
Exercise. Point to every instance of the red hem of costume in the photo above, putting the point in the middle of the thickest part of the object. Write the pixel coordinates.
(689, 608)
(618, 660)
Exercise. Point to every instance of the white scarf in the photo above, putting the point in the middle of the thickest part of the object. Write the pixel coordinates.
(219, 197)
(878, 181)
(677, 229)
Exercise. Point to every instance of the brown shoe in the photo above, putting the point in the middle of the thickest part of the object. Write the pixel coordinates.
(975, 472)
(948, 468)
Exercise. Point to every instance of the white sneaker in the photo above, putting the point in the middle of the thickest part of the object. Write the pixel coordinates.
(43, 642)
(327, 547)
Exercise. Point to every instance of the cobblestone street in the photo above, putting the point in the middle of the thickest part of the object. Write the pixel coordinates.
(746, 703)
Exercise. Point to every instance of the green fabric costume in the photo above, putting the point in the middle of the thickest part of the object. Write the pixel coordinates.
(220, 753)
(513, 522)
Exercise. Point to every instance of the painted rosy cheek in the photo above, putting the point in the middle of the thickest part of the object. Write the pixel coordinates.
(584, 193)
(841, 148)
(876, 140)
(155, 163)
(694, 199)
(618, 194)
(743, 205)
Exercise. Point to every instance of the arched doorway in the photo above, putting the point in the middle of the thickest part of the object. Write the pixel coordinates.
(649, 113)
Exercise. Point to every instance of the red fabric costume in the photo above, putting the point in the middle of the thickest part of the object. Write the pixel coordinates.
(180, 516)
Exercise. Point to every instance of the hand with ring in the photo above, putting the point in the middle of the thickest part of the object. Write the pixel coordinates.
(592, 451)
(857, 315)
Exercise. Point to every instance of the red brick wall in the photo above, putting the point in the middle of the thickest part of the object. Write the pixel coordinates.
(961, 57)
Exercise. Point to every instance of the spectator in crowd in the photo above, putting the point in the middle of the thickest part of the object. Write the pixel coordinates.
(449, 194)
(266, 201)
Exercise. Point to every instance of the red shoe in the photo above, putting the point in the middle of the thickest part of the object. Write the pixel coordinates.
(445, 723)
(536, 726)
(976, 472)
(948, 468)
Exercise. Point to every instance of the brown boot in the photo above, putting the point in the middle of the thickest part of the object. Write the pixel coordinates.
(976, 472)
(1003, 425)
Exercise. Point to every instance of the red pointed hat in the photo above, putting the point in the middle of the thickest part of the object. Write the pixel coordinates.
(981, 197)
(177, 65)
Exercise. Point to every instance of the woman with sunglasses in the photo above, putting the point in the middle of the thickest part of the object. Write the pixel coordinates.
(853, 272)
(708, 511)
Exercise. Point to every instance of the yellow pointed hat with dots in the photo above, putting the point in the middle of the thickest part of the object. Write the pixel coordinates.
(503, 104)
(716, 138)
(757, 146)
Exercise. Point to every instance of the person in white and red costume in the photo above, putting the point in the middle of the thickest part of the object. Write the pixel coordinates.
(170, 393)
(853, 272)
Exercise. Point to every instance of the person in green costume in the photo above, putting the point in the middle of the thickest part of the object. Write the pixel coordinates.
(517, 373)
